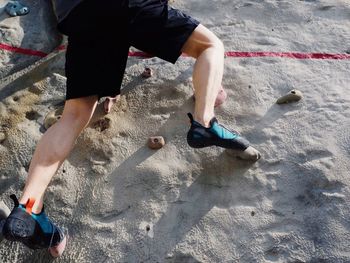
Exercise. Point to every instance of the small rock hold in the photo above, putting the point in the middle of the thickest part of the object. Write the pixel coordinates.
(52, 117)
(249, 154)
(156, 142)
(292, 96)
(220, 98)
(147, 73)
(2, 137)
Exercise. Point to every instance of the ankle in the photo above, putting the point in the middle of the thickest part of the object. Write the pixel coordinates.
(36, 208)
(205, 121)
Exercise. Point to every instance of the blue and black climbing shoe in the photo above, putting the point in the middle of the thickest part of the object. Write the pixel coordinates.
(36, 231)
(15, 8)
(217, 135)
(200, 136)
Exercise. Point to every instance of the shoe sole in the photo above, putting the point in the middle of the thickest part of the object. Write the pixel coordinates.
(242, 144)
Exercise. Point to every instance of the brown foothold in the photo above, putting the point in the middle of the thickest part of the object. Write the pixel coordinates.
(147, 73)
(52, 117)
(220, 98)
(2, 137)
(156, 142)
(249, 154)
(292, 96)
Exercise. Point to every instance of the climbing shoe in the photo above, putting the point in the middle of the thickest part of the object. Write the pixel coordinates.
(36, 231)
(217, 135)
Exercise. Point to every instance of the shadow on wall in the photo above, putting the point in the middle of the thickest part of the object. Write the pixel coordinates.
(216, 177)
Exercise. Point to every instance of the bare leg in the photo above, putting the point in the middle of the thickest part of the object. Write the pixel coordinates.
(220, 98)
(54, 147)
(207, 76)
(208, 71)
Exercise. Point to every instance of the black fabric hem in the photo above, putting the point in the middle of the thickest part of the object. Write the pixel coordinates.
(181, 44)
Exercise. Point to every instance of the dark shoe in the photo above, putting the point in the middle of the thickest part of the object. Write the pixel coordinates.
(36, 231)
(200, 136)
(217, 135)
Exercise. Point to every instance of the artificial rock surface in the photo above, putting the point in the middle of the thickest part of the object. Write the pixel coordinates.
(123, 202)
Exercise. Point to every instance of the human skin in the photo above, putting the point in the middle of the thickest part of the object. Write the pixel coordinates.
(56, 144)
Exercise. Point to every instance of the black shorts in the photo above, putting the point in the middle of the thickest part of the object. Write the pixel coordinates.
(100, 35)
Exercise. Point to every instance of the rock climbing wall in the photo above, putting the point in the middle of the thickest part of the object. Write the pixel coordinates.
(35, 31)
(123, 202)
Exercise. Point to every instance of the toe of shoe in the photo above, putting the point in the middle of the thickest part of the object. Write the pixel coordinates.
(58, 250)
(250, 154)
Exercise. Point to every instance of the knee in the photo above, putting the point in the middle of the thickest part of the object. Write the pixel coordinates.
(214, 44)
(77, 117)
(218, 45)
(78, 114)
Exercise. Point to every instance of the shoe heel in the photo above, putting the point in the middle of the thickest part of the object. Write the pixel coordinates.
(15, 229)
(19, 226)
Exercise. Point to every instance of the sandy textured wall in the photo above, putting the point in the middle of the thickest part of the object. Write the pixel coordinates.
(123, 202)
(35, 31)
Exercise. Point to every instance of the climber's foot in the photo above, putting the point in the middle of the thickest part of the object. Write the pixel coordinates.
(36, 231)
(217, 135)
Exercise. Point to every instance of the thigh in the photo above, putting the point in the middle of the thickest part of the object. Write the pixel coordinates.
(160, 30)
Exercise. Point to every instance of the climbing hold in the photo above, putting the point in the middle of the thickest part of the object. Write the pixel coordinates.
(293, 95)
(220, 98)
(249, 154)
(52, 117)
(156, 142)
(2, 137)
(147, 73)
(15, 8)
